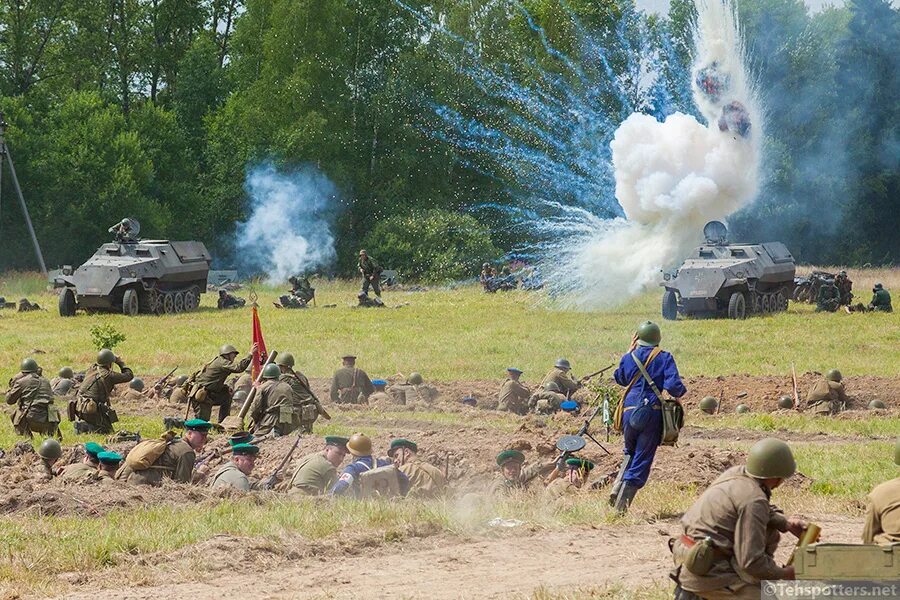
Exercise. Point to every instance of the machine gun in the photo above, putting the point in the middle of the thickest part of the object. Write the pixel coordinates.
(595, 373)
(162, 382)
(568, 444)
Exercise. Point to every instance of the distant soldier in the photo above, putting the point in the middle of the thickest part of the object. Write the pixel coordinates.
(883, 510)
(512, 475)
(881, 299)
(236, 473)
(227, 300)
(350, 385)
(26, 306)
(209, 384)
(135, 391)
(92, 406)
(547, 400)
(514, 395)
(49, 452)
(31, 393)
(86, 469)
(561, 375)
(827, 396)
(179, 393)
(316, 473)
(124, 231)
(829, 298)
(306, 406)
(109, 463)
(177, 460)
(272, 410)
(425, 480)
(845, 287)
(577, 472)
(301, 294)
(737, 528)
(642, 421)
(487, 276)
(367, 472)
(64, 382)
(371, 275)
(380, 395)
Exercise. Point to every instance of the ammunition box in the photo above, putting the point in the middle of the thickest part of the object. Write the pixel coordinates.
(847, 561)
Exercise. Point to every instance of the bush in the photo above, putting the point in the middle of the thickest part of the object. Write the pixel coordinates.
(106, 336)
(431, 245)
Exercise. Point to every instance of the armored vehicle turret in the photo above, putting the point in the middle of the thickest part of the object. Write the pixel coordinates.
(736, 280)
(133, 276)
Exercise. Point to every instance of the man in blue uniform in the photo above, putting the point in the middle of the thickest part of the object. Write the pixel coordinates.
(642, 419)
(349, 483)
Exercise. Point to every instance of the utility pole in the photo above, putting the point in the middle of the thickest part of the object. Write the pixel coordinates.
(5, 154)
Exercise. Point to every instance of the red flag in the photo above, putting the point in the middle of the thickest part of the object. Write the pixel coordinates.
(261, 354)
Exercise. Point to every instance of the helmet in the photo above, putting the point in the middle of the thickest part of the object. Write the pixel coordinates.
(106, 357)
(136, 384)
(878, 286)
(63, 387)
(415, 379)
(29, 365)
(239, 396)
(785, 402)
(552, 386)
(360, 445)
(285, 360)
(709, 405)
(742, 409)
(834, 375)
(563, 363)
(844, 273)
(771, 458)
(485, 265)
(897, 452)
(877, 404)
(181, 380)
(50, 449)
(648, 334)
(66, 373)
(271, 371)
(227, 349)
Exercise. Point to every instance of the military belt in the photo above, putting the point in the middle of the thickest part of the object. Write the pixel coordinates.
(689, 542)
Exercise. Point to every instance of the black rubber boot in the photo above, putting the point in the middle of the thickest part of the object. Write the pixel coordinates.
(625, 497)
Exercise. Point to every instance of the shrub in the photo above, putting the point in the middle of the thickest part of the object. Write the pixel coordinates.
(104, 335)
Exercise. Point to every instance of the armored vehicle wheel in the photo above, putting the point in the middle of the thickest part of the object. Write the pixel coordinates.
(130, 303)
(737, 306)
(168, 302)
(67, 303)
(766, 307)
(669, 306)
(156, 303)
(190, 300)
(179, 302)
(781, 302)
(754, 303)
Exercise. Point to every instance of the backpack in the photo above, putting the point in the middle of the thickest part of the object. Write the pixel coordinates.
(147, 452)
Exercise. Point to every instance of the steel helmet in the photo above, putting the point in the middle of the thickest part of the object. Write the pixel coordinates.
(239, 396)
(136, 384)
(66, 373)
(29, 365)
(415, 379)
(106, 357)
(50, 449)
(648, 334)
(771, 458)
(552, 386)
(360, 445)
(63, 387)
(742, 408)
(709, 405)
(181, 380)
(834, 375)
(227, 349)
(563, 363)
(877, 404)
(285, 360)
(785, 402)
(271, 371)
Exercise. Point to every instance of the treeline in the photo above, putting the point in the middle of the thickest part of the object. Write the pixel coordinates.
(155, 109)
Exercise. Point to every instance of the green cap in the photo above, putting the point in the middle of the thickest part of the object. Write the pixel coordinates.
(510, 455)
(198, 425)
(402, 443)
(109, 458)
(241, 437)
(93, 449)
(579, 463)
(336, 440)
(245, 450)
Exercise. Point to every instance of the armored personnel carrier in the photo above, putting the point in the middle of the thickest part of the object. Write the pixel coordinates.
(736, 280)
(133, 276)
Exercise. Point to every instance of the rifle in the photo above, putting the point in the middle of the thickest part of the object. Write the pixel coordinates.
(319, 406)
(162, 382)
(236, 422)
(595, 373)
(568, 444)
(270, 482)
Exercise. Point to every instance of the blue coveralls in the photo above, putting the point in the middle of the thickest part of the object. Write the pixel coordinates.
(642, 445)
(348, 482)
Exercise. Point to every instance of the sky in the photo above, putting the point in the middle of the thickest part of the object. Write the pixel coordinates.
(662, 6)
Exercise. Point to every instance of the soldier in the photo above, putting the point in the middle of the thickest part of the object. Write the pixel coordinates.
(425, 480)
(316, 473)
(488, 274)
(86, 469)
(272, 410)
(881, 299)
(92, 406)
(371, 274)
(845, 287)
(514, 395)
(546, 401)
(227, 300)
(513, 476)
(32, 394)
(577, 472)
(209, 384)
(179, 393)
(244, 383)
(349, 483)
(109, 463)
(63, 383)
(306, 406)
(135, 391)
(737, 529)
(642, 420)
(350, 385)
(379, 394)
(48, 452)
(883, 510)
(26, 306)
(302, 293)
(829, 298)
(236, 472)
(827, 395)
(561, 376)
(177, 460)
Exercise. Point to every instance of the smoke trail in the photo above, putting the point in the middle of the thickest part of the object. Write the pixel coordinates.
(289, 229)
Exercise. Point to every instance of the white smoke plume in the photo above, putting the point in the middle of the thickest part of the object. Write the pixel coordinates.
(672, 176)
(289, 229)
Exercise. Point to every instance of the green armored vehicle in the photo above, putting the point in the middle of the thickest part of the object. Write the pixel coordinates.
(736, 280)
(133, 276)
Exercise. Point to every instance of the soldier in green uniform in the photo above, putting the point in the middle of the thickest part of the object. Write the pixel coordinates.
(425, 480)
(63, 383)
(317, 472)
(177, 461)
(109, 463)
(236, 473)
(514, 395)
(512, 474)
(306, 406)
(135, 391)
(574, 479)
(547, 400)
(371, 274)
(829, 298)
(827, 396)
(48, 453)
(561, 375)
(883, 510)
(730, 534)
(86, 469)
(209, 387)
(227, 300)
(350, 384)
(92, 406)
(272, 410)
(881, 299)
(31, 393)
(845, 286)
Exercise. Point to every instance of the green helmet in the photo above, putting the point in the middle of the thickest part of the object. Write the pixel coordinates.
(66, 373)
(834, 375)
(562, 363)
(877, 404)
(897, 452)
(709, 405)
(106, 357)
(648, 334)
(50, 449)
(227, 349)
(137, 384)
(239, 396)
(785, 402)
(742, 409)
(552, 386)
(415, 379)
(29, 365)
(271, 371)
(771, 458)
(181, 380)
(285, 360)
